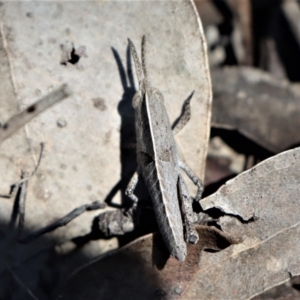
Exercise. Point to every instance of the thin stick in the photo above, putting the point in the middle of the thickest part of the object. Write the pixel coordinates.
(23, 185)
(19, 192)
(19, 120)
(35, 169)
(15, 187)
(21, 207)
(62, 222)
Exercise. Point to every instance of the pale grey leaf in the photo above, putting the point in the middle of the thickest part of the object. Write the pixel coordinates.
(89, 139)
(261, 206)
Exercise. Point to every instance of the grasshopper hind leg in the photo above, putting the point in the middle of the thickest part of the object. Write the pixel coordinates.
(191, 234)
(196, 180)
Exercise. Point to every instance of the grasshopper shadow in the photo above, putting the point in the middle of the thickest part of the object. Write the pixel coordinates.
(127, 132)
(144, 216)
(46, 263)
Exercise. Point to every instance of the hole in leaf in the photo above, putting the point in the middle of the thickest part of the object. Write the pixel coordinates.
(31, 108)
(70, 54)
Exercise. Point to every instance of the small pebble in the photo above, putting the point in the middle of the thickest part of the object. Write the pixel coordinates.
(61, 123)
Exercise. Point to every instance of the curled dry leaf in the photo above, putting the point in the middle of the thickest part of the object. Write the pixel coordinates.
(252, 101)
(143, 270)
(262, 207)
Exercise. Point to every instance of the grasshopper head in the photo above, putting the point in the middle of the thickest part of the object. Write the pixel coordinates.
(141, 72)
(137, 99)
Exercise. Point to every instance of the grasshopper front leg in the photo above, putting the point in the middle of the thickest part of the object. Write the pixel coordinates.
(196, 180)
(177, 126)
(191, 234)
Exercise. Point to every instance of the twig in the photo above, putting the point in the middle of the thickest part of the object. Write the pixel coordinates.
(19, 120)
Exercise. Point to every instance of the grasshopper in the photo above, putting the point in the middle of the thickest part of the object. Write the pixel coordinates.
(159, 164)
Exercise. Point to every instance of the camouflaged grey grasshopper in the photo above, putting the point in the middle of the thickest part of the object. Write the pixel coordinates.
(160, 165)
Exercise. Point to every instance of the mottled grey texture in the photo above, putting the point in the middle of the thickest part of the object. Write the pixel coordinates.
(84, 160)
(268, 196)
(157, 158)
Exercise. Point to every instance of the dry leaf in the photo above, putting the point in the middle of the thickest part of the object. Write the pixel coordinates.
(265, 201)
(88, 139)
(252, 102)
(260, 207)
(142, 270)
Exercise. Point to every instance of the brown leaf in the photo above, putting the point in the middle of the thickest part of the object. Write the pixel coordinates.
(252, 102)
(143, 270)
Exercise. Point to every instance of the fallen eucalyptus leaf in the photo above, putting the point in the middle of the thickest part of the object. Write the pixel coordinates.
(260, 205)
(252, 102)
(88, 139)
(142, 270)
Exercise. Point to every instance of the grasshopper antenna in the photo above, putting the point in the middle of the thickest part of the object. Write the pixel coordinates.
(144, 59)
(136, 60)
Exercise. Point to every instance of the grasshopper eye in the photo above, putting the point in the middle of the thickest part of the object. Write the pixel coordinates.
(136, 99)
